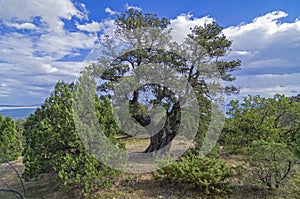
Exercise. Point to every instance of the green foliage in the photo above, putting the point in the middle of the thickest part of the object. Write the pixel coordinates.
(210, 175)
(270, 119)
(266, 130)
(20, 129)
(213, 153)
(105, 115)
(150, 43)
(271, 163)
(211, 38)
(96, 123)
(297, 150)
(54, 146)
(133, 19)
(10, 144)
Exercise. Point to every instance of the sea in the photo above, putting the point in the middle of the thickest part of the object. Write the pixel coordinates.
(17, 113)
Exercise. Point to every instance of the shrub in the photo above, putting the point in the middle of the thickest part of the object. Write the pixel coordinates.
(10, 145)
(271, 163)
(53, 144)
(210, 175)
(274, 119)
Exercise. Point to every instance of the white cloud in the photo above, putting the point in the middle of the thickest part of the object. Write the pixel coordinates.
(50, 11)
(182, 24)
(244, 53)
(266, 45)
(31, 87)
(268, 23)
(90, 27)
(110, 11)
(32, 63)
(59, 46)
(269, 84)
(132, 7)
(25, 25)
(267, 41)
(26, 9)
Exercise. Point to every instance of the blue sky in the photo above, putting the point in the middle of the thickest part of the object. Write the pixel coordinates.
(43, 41)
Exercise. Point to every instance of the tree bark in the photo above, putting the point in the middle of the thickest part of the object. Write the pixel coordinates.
(165, 135)
(168, 132)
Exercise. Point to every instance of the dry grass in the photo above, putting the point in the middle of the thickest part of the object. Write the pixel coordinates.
(127, 186)
(137, 145)
(43, 188)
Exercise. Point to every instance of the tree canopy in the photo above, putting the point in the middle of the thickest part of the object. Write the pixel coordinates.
(150, 51)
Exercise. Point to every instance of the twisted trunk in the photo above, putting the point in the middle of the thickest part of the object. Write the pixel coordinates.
(162, 140)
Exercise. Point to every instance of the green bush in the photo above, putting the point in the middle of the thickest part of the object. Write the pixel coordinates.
(274, 119)
(53, 144)
(10, 145)
(271, 163)
(210, 175)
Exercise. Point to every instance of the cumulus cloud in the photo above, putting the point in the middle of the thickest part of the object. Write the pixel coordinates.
(90, 27)
(29, 58)
(270, 54)
(37, 44)
(33, 51)
(182, 24)
(49, 11)
(267, 41)
(26, 9)
(106, 26)
(110, 11)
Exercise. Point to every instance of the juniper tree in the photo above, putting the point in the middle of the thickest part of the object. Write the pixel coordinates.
(53, 144)
(10, 144)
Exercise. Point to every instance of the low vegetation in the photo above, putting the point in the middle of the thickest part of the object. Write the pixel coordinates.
(210, 176)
